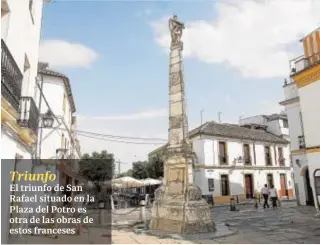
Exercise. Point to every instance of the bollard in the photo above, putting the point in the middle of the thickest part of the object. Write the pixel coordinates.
(142, 214)
(101, 207)
(237, 199)
(112, 202)
(255, 202)
(232, 204)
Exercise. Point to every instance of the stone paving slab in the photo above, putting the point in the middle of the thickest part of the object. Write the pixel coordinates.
(221, 231)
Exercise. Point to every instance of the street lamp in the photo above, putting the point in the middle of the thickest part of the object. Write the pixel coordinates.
(47, 119)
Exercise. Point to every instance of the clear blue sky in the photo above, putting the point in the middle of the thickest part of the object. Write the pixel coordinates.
(131, 72)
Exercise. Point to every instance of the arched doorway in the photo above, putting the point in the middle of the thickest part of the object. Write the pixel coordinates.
(309, 194)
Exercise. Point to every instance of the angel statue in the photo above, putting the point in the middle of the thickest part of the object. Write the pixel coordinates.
(176, 28)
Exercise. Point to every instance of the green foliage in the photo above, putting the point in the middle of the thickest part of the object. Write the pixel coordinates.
(144, 169)
(139, 170)
(97, 167)
(128, 173)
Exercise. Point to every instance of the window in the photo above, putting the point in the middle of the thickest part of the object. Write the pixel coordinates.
(281, 158)
(269, 180)
(268, 155)
(62, 140)
(285, 123)
(225, 185)
(223, 158)
(211, 184)
(247, 157)
(64, 103)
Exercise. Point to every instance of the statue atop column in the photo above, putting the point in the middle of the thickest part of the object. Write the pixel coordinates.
(176, 28)
(178, 205)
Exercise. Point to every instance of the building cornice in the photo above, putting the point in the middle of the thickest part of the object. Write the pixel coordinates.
(290, 101)
(242, 167)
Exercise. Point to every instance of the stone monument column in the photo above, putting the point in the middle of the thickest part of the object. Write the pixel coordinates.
(178, 205)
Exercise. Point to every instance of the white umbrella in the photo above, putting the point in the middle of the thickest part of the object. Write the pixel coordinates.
(127, 182)
(150, 181)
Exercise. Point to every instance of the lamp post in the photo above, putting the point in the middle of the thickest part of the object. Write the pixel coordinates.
(47, 120)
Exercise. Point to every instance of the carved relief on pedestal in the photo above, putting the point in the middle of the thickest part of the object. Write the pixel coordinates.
(176, 180)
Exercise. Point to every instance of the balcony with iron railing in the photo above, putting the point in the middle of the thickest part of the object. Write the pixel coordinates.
(223, 159)
(268, 160)
(11, 77)
(247, 160)
(28, 114)
(282, 161)
(303, 63)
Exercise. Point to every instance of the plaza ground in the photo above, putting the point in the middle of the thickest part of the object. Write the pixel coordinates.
(287, 224)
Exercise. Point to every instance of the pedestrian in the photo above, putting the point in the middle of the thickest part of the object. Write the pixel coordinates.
(274, 196)
(265, 194)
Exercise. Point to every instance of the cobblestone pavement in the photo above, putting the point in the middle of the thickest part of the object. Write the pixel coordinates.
(287, 224)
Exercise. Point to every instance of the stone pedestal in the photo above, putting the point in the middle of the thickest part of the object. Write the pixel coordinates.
(178, 205)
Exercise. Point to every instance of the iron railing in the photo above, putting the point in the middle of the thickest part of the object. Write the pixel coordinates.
(282, 161)
(223, 160)
(11, 77)
(247, 160)
(268, 160)
(29, 114)
(302, 63)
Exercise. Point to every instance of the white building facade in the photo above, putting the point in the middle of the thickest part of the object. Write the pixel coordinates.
(237, 161)
(61, 141)
(20, 37)
(302, 105)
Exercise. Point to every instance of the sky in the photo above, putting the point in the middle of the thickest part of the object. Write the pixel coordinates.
(115, 53)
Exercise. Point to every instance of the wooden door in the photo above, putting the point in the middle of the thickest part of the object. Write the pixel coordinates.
(283, 185)
(249, 186)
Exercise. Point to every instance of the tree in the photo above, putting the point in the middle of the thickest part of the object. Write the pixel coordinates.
(139, 170)
(97, 167)
(127, 173)
(155, 167)
(148, 169)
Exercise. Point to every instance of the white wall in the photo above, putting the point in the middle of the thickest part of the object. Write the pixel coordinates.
(259, 119)
(274, 127)
(22, 37)
(291, 91)
(54, 90)
(295, 127)
(298, 178)
(310, 108)
(207, 153)
(236, 180)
